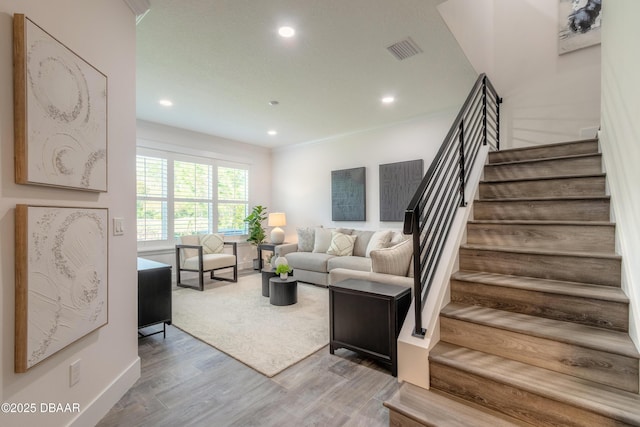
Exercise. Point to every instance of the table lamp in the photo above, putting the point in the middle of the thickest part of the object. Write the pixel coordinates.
(277, 220)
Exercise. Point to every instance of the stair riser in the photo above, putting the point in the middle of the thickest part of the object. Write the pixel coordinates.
(590, 165)
(544, 210)
(565, 187)
(517, 403)
(599, 271)
(593, 365)
(568, 308)
(553, 236)
(533, 153)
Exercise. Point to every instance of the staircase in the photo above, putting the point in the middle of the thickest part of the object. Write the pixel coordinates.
(536, 332)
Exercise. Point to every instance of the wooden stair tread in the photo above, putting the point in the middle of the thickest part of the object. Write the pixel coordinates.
(607, 401)
(548, 146)
(431, 408)
(536, 251)
(567, 332)
(545, 199)
(542, 178)
(545, 159)
(583, 290)
(541, 222)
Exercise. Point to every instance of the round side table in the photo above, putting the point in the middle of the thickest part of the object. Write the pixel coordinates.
(267, 273)
(283, 292)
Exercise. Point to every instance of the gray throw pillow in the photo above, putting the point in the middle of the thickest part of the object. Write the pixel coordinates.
(306, 238)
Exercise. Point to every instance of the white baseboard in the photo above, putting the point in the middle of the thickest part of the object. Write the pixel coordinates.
(102, 404)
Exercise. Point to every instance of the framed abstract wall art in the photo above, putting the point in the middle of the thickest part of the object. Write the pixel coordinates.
(579, 23)
(61, 279)
(60, 113)
(348, 201)
(398, 183)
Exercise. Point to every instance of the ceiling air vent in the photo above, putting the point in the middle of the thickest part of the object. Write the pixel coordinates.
(404, 49)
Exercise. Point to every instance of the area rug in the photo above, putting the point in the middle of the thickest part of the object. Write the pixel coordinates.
(236, 319)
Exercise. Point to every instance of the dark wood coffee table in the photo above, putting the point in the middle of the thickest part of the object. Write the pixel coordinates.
(283, 291)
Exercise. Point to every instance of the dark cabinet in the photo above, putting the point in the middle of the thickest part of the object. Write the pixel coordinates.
(366, 317)
(154, 294)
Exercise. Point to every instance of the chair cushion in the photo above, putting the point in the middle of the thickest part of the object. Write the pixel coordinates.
(394, 260)
(341, 244)
(189, 240)
(211, 261)
(212, 243)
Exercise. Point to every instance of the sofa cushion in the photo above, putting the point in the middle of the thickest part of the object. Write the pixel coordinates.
(309, 261)
(362, 241)
(341, 244)
(394, 260)
(379, 239)
(322, 240)
(189, 240)
(351, 262)
(397, 237)
(212, 243)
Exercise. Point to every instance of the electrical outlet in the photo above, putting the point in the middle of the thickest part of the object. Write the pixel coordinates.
(74, 373)
(118, 227)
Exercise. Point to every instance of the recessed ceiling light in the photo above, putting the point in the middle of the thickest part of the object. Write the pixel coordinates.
(286, 32)
(165, 102)
(388, 100)
(272, 132)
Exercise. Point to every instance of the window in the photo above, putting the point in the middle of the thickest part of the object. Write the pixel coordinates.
(152, 198)
(179, 195)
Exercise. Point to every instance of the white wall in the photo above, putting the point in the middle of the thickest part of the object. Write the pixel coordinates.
(547, 98)
(103, 33)
(302, 173)
(154, 135)
(620, 138)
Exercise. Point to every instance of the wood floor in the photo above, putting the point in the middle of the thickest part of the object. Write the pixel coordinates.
(185, 382)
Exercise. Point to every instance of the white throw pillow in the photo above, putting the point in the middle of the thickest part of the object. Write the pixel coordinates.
(341, 244)
(212, 243)
(379, 240)
(322, 240)
(394, 260)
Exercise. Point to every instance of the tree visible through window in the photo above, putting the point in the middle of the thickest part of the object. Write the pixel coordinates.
(177, 197)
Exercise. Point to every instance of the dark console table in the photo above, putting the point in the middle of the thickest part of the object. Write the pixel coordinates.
(366, 317)
(154, 295)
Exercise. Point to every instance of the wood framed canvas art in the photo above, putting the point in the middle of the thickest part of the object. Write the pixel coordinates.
(61, 279)
(579, 23)
(398, 183)
(348, 198)
(60, 113)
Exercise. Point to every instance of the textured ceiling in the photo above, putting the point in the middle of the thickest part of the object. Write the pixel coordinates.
(222, 61)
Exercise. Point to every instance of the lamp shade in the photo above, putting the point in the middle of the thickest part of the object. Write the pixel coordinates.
(277, 219)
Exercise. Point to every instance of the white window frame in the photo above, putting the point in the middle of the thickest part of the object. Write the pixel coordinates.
(171, 157)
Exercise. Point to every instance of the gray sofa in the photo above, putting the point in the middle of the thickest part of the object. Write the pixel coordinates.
(324, 256)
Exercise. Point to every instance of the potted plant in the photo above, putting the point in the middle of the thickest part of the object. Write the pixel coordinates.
(283, 270)
(256, 231)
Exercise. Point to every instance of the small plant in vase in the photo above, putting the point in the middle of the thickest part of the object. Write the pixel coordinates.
(283, 270)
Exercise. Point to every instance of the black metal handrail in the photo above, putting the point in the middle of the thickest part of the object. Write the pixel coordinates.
(442, 190)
